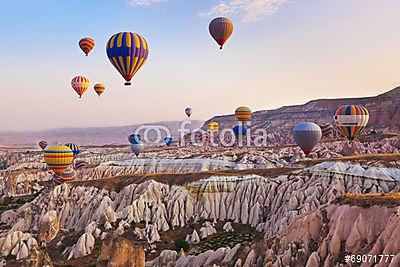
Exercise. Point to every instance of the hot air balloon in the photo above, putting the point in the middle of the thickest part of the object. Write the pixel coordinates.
(69, 174)
(128, 52)
(243, 114)
(239, 130)
(86, 44)
(80, 85)
(327, 130)
(307, 135)
(137, 148)
(58, 158)
(351, 120)
(80, 164)
(134, 138)
(213, 126)
(42, 144)
(168, 141)
(188, 112)
(99, 88)
(74, 147)
(221, 29)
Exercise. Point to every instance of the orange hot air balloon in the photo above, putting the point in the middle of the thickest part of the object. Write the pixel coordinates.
(99, 88)
(86, 44)
(80, 84)
(221, 29)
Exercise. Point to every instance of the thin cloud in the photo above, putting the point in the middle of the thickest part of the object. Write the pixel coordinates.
(248, 10)
(145, 2)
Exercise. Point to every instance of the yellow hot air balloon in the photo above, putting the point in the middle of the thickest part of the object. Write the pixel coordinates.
(213, 126)
(243, 114)
(58, 158)
(99, 88)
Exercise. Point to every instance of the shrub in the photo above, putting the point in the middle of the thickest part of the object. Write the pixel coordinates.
(181, 244)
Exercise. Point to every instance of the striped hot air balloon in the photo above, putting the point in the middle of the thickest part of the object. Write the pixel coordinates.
(351, 120)
(43, 144)
(213, 126)
(99, 88)
(243, 114)
(307, 135)
(188, 112)
(58, 158)
(221, 29)
(69, 174)
(80, 164)
(74, 147)
(86, 44)
(128, 52)
(80, 84)
(327, 130)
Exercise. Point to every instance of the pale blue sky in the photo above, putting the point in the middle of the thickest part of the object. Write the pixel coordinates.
(304, 50)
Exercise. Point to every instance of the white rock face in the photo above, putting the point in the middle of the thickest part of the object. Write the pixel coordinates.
(207, 230)
(194, 238)
(17, 243)
(228, 227)
(83, 247)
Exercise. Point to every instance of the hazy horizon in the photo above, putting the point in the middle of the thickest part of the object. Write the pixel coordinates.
(281, 53)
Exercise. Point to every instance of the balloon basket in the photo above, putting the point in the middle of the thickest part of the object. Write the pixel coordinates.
(127, 83)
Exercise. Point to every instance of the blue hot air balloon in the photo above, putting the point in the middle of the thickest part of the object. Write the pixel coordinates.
(134, 138)
(168, 141)
(239, 130)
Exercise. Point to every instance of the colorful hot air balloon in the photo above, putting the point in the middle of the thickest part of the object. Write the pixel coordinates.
(128, 52)
(243, 114)
(80, 85)
(86, 44)
(188, 112)
(134, 138)
(42, 144)
(239, 130)
(327, 130)
(80, 164)
(69, 174)
(137, 148)
(307, 135)
(221, 29)
(74, 147)
(168, 141)
(58, 158)
(213, 126)
(351, 120)
(99, 88)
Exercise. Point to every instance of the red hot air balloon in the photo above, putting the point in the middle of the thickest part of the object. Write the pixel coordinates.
(86, 44)
(221, 29)
(80, 84)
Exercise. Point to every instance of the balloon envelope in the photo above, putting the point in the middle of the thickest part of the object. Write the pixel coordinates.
(327, 130)
(168, 141)
(239, 130)
(307, 135)
(80, 164)
(80, 84)
(351, 120)
(74, 147)
(99, 88)
(213, 126)
(58, 158)
(188, 112)
(134, 138)
(127, 52)
(221, 29)
(86, 44)
(69, 174)
(137, 148)
(43, 144)
(243, 114)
